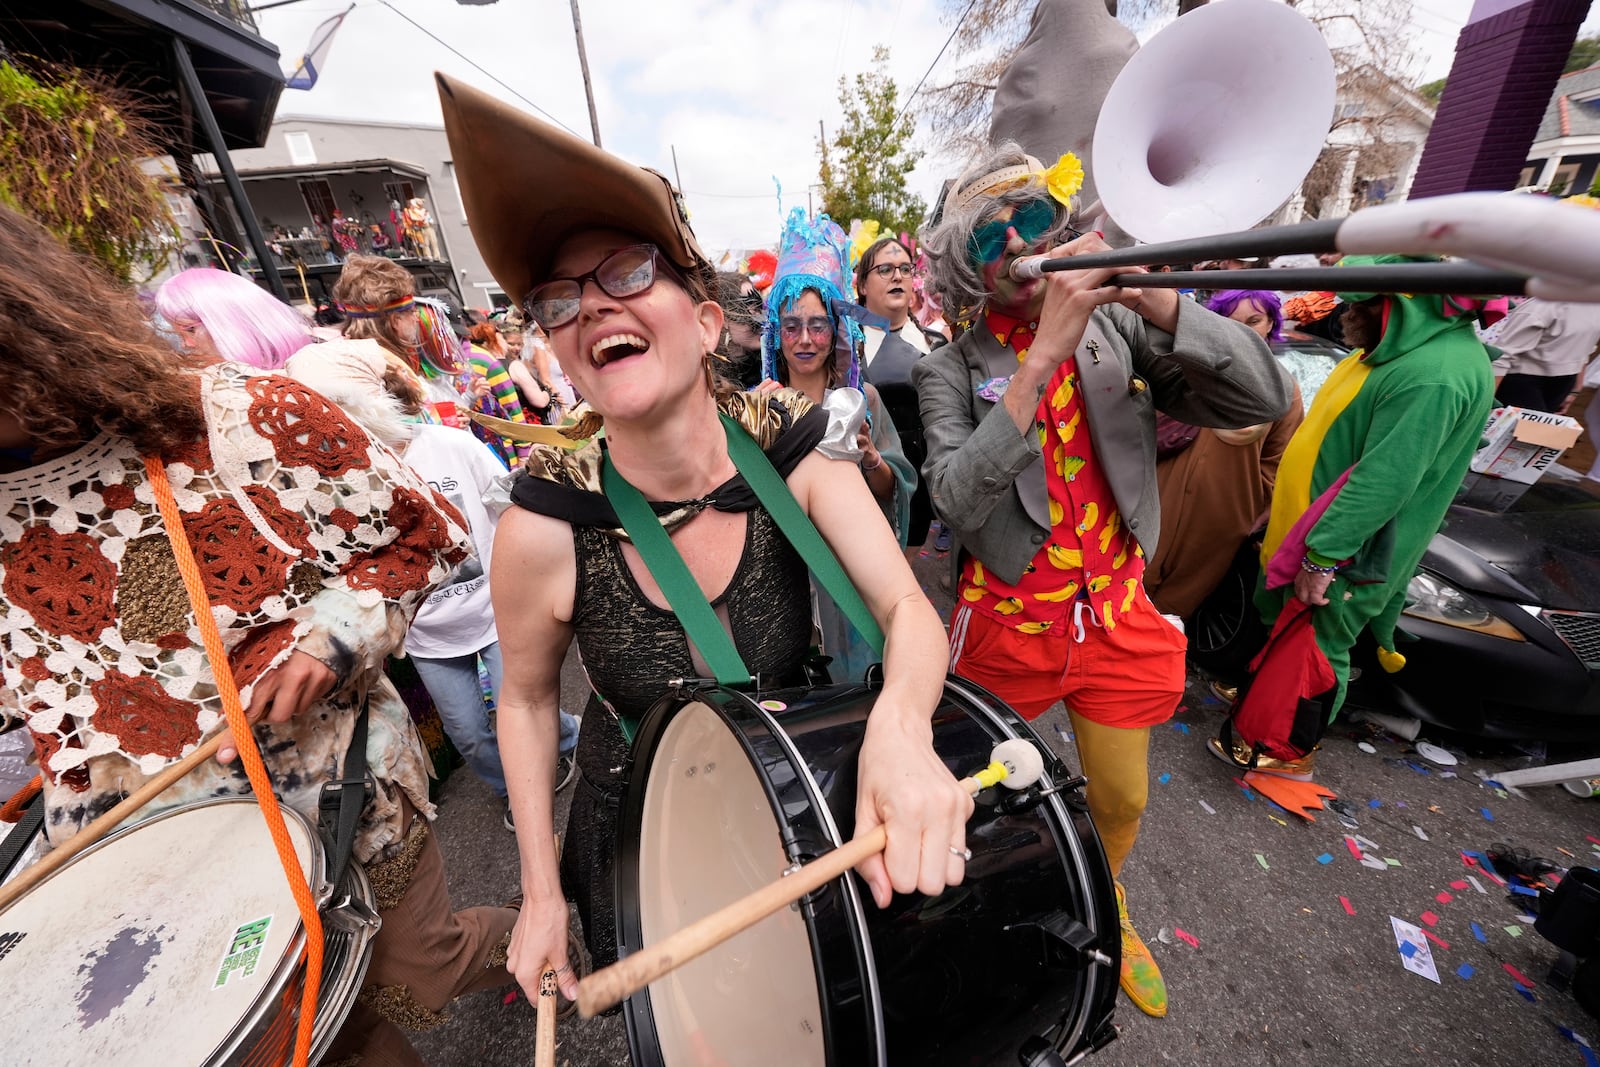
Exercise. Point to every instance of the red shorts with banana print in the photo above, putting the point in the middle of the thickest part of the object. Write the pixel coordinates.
(1131, 676)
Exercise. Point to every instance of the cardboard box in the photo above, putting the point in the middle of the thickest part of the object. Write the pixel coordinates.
(1520, 445)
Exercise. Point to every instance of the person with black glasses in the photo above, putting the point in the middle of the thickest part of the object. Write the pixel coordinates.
(885, 283)
(613, 273)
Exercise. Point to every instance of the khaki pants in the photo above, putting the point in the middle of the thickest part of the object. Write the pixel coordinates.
(424, 956)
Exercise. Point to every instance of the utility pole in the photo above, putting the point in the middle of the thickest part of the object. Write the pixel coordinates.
(822, 142)
(675, 172)
(583, 62)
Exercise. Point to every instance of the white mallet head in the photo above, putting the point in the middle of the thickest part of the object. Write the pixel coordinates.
(1024, 766)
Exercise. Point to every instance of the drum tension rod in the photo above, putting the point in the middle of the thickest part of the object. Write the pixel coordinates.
(1017, 803)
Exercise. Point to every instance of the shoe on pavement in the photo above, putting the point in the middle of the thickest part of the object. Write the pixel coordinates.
(566, 771)
(1298, 770)
(509, 822)
(1228, 694)
(1141, 978)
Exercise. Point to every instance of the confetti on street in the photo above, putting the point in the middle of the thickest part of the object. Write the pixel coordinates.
(1186, 937)
(1263, 861)
(1477, 932)
(1443, 897)
(1420, 832)
(1429, 917)
(1522, 979)
(1514, 931)
(1441, 942)
(1325, 858)
(1209, 809)
(1487, 814)
(1465, 971)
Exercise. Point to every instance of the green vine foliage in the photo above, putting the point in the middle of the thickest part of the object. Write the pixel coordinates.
(71, 149)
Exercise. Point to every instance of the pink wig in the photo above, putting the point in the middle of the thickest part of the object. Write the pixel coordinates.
(246, 323)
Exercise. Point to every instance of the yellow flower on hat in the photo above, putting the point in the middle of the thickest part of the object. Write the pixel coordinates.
(1064, 179)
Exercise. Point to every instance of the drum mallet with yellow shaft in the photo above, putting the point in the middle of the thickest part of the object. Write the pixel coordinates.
(108, 822)
(1014, 763)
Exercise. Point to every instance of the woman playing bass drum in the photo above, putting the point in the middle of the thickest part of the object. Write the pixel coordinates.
(612, 272)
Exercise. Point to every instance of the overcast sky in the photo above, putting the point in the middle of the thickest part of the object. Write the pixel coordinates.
(738, 88)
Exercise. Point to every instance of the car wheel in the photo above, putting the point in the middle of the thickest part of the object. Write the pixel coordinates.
(1226, 629)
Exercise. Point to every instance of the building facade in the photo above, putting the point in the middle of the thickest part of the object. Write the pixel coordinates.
(1565, 157)
(366, 172)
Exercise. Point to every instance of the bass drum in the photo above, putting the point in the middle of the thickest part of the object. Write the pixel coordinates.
(727, 791)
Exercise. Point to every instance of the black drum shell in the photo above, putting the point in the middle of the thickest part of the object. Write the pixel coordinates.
(962, 978)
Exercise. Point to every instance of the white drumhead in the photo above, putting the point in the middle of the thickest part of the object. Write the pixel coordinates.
(708, 838)
(150, 948)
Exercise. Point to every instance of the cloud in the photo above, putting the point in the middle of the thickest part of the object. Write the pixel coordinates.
(737, 88)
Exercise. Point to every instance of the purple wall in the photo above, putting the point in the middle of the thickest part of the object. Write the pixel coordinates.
(1507, 63)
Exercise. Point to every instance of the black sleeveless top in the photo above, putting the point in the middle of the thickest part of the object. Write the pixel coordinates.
(630, 646)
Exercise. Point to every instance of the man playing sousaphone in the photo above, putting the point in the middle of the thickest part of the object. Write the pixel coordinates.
(1040, 424)
(601, 253)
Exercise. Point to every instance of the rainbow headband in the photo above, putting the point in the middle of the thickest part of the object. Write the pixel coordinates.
(364, 311)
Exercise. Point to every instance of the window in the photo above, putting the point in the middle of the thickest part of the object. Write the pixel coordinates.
(1527, 177)
(1566, 174)
(301, 151)
(450, 172)
(398, 192)
(319, 200)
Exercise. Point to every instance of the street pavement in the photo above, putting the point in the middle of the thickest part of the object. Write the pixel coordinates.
(1278, 971)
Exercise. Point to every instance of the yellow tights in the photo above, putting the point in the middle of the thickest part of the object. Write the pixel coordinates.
(1116, 762)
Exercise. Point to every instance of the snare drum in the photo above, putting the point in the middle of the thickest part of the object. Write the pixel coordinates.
(726, 792)
(177, 942)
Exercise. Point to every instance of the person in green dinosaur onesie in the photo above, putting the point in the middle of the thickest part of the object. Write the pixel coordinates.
(1366, 480)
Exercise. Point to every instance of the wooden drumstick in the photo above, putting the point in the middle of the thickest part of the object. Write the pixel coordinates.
(1016, 763)
(109, 821)
(544, 1034)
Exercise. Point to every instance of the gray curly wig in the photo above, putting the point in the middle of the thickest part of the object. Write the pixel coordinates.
(951, 272)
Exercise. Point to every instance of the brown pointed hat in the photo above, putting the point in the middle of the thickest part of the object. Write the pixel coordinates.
(528, 186)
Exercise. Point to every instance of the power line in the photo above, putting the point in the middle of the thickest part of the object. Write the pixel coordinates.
(913, 95)
(460, 55)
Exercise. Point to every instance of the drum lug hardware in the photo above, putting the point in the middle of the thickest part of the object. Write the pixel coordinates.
(1062, 932)
(352, 914)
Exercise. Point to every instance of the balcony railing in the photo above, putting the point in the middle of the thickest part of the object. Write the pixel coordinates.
(236, 11)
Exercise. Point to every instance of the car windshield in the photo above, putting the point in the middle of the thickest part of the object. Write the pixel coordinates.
(1310, 361)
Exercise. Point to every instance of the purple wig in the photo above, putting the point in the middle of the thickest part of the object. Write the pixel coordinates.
(1267, 302)
(245, 322)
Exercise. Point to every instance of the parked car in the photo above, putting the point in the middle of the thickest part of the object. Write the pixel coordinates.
(1504, 609)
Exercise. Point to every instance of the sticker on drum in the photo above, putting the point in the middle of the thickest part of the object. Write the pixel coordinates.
(154, 946)
(773, 705)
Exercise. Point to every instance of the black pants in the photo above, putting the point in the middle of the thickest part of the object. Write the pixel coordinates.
(1536, 392)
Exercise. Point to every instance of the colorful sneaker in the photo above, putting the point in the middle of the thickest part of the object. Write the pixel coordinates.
(1296, 770)
(1141, 978)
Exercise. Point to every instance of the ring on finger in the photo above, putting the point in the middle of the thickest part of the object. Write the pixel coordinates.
(964, 853)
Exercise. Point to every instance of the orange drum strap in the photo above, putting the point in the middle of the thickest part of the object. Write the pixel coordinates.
(12, 810)
(245, 739)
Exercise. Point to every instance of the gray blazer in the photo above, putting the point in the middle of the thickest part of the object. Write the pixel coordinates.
(987, 480)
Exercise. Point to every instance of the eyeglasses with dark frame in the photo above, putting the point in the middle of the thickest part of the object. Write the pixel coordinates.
(885, 270)
(626, 272)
